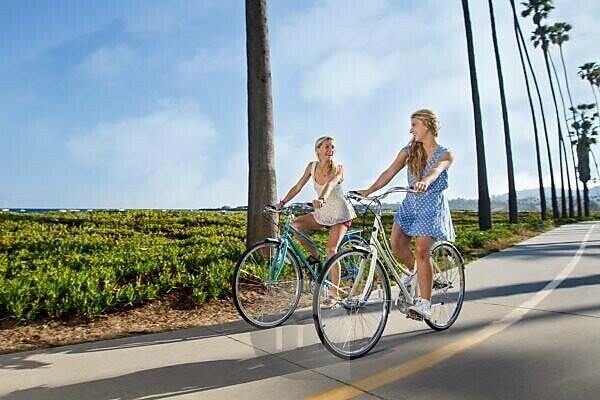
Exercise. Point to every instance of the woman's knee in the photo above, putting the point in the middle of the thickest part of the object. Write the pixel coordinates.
(422, 252)
(330, 250)
(400, 247)
(298, 225)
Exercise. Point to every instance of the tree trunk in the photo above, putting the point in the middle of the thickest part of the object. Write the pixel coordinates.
(555, 213)
(560, 138)
(261, 160)
(512, 193)
(485, 214)
(563, 198)
(583, 155)
(562, 100)
(532, 109)
(586, 199)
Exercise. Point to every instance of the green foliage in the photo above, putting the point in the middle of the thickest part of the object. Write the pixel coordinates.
(61, 265)
(64, 265)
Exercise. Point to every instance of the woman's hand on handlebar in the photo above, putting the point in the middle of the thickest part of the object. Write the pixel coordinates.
(421, 186)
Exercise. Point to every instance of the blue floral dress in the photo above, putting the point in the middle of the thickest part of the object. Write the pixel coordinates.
(427, 213)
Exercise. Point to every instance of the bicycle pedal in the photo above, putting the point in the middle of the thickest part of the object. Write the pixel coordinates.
(414, 315)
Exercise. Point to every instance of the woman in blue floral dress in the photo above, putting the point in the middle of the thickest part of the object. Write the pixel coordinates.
(424, 213)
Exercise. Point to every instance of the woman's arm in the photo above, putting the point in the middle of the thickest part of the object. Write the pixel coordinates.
(296, 188)
(443, 164)
(387, 175)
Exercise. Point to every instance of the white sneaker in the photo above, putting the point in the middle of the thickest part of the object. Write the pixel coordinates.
(423, 308)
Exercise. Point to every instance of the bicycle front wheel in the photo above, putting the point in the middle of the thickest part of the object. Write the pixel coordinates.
(351, 304)
(448, 289)
(266, 284)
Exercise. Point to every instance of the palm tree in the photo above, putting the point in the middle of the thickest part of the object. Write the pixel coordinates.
(558, 36)
(512, 193)
(540, 9)
(532, 109)
(587, 132)
(261, 180)
(485, 214)
(555, 213)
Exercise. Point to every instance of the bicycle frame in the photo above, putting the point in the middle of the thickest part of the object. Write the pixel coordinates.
(381, 248)
(287, 242)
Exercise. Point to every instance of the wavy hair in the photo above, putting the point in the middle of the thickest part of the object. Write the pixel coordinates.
(417, 157)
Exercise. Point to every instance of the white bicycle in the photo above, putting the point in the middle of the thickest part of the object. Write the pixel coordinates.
(350, 314)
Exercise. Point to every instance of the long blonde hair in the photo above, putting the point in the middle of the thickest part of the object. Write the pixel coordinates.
(417, 157)
(331, 168)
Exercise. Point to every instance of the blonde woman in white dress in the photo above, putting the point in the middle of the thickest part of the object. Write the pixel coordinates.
(332, 210)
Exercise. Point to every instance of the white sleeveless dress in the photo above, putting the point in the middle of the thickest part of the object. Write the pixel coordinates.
(336, 209)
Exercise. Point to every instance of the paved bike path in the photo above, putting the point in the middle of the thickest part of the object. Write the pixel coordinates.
(550, 352)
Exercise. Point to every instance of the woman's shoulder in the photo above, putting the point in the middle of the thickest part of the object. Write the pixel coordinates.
(443, 149)
(443, 153)
(406, 148)
(310, 167)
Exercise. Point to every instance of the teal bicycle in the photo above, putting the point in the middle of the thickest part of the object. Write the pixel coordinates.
(268, 278)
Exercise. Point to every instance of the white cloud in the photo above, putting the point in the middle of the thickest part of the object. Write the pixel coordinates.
(348, 77)
(156, 160)
(205, 61)
(162, 17)
(106, 63)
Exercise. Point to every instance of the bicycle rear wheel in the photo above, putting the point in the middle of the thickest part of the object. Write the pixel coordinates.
(350, 312)
(266, 284)
(448, 290)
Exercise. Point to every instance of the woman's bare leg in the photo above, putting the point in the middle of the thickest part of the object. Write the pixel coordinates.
(401, 247)
(336, 234)
(424, 267)
(306, 224)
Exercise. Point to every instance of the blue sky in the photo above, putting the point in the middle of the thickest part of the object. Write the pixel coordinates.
(142, 104)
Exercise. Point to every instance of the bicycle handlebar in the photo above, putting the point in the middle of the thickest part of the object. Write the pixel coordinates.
(291, 207)
(353, 194)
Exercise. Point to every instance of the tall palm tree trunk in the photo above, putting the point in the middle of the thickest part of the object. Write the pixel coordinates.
(533, 118)
(560, 137)
(566, 119)
(583, 155)
(261, 160)
(485, 214)
(512, 193)
(586, 199)
(555, 212)
(562, 59)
